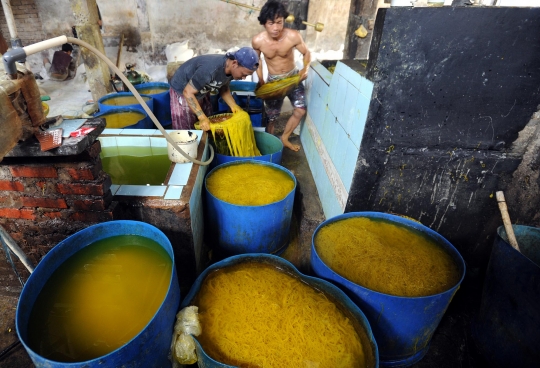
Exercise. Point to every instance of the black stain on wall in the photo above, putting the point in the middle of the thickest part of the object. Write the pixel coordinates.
(453, 87)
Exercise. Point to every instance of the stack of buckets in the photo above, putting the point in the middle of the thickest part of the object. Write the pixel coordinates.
(157, 99)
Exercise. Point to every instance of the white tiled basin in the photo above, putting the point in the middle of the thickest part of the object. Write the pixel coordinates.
(172, 188)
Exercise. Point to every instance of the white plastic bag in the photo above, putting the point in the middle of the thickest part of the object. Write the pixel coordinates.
(183, 345)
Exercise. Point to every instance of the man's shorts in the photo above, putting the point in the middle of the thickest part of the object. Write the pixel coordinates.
(181, 114)
(297, 96)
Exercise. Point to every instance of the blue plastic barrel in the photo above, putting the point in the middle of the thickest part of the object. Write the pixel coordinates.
(364, 330)
(162, 100)
(256, 119)
(103, 107)
(238, 229)
(403, 326)
(251, 104)
(151, 346)
(248, 103)
(507, 329)
(143, 123)
(244, 86)
(270, 147)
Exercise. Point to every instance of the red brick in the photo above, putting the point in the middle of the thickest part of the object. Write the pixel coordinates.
(43, 202)
(17, 237)
(17, 214)
(90, 205)
(53, 215)
(81, 189)
(94, 150)
(91, 216)
(81, 174)
(34, 172)
(11, 185)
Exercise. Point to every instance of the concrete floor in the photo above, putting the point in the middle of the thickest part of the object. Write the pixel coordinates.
(451, 346)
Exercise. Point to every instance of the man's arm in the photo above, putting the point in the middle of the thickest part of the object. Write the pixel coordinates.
(301, 46)
(255, 46)
(225, 93)
(189, 94)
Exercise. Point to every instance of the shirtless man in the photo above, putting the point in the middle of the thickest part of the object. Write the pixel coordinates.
(277, 44)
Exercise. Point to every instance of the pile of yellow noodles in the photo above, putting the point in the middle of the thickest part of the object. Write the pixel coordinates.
(249, 184)
(253, 315)
(277, 89)
(385, 257)
(239, 135)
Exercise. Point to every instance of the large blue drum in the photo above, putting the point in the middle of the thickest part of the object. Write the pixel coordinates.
(403, 326)
(269, 145)
(150, 348)
(364, 331)
(238, 229)
(114, 101)
(126, 118)
(160, 92)
(507, 329)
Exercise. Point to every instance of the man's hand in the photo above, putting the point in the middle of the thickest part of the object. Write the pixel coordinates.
(303, 74)
(205, 123)
(235, 108)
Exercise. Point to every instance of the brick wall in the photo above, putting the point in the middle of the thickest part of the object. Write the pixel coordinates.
(27, 22)
(45, 200)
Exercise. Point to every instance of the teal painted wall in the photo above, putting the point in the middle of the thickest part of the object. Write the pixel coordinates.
(337, 107)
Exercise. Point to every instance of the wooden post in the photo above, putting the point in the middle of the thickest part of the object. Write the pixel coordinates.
(86, 24)
(506, 221)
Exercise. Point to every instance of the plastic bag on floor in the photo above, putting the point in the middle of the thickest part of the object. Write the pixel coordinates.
(183, 345)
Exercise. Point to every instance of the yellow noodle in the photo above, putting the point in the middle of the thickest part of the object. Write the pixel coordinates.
(385, 257)
(253, 315)
(249, 184)
(277, 89)
(238, 133)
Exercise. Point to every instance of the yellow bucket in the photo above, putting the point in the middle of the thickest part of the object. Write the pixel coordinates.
(45, 108)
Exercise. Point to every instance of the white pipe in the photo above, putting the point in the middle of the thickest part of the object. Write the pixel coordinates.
(15, 249)
(13, 55)
(10, 19)
(43, 45)
(141, 101)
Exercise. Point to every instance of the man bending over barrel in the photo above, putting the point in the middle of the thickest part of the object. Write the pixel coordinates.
(277, 44)
(192, 83)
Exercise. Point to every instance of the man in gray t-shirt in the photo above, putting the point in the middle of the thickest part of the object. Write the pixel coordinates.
(192, 83)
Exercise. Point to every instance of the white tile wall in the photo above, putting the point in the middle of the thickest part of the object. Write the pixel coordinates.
(338, 105)
(123, 138)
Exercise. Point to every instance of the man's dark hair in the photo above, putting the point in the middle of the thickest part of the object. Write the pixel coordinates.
(271, 10)
(67, 47)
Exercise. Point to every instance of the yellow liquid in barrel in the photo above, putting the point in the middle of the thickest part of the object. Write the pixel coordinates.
(122, 119)
(123, 101)
(386, 257)
(152, 91)
(99, 299)
(249, 184)
(253, 315)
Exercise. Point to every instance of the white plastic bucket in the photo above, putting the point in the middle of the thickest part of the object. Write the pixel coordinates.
(187, 141)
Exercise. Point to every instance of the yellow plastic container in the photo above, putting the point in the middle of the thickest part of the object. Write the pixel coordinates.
(45, 108)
